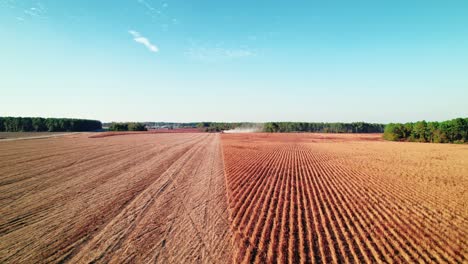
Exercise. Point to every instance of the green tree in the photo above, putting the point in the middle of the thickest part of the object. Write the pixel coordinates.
(118, 127)
(136, 127)
(39, 124)
(450, 131)
(432, 128)
(420, 131)
(393, 132)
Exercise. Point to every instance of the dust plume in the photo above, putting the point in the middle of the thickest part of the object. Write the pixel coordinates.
(246, 128)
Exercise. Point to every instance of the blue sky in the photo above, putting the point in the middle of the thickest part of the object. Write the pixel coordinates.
(148, 60)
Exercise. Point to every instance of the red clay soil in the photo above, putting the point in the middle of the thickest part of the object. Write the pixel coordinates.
(151, 131)
(178, 197)
(157, 198)
(176, 130)
(312, 198)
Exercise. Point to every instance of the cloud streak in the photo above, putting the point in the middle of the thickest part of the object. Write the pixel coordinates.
(137, 37)
(158, 12)
(28, 10)
(144, 3)
(217, 54)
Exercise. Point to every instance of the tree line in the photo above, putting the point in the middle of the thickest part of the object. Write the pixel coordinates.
(39, 124)
(285, 127)
(451, 131)
(219, 126)
(355, 127)
(170, 125)
(129, 126)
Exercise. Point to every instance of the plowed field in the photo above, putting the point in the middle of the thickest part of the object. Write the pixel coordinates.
(242, 198)
(140, 198)
(308, 198)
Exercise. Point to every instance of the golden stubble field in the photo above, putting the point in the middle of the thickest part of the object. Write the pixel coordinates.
(222, 198)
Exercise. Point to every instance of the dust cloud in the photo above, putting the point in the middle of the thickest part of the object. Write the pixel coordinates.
(247, 128)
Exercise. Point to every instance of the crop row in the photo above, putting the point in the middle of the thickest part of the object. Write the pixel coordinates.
(292, 203)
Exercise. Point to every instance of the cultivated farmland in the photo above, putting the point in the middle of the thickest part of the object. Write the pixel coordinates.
(308, 198)
(29, 135)
(117, 199)
(232, 198)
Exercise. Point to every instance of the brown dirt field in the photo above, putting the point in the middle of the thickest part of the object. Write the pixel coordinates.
(313, 198)
(157, 198)
(15, 135)
(152, 131)
(178, 197)
(176, 130)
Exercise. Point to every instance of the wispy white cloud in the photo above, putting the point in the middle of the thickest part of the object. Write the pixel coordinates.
(144, 3)
(38, 10)
(159, 13)
(142, 40)
(28, 10)
(217, 54)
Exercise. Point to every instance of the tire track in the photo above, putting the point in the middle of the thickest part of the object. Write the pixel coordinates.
(112, 208)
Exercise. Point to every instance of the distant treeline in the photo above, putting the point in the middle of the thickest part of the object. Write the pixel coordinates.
(38, 124)
(218, 126)
(356, 127)
(170, 125)
(285, 127)
(451, 131)
(130, 126)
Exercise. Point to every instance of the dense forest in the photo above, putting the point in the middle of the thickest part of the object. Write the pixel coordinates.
(130, 126)
(356, 127)
(38, 124)
(451, 131)
(169, 125)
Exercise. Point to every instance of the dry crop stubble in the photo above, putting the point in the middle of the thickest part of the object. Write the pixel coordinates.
(122, 198)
